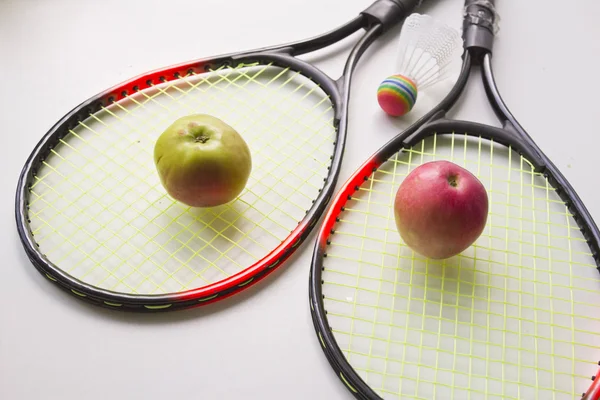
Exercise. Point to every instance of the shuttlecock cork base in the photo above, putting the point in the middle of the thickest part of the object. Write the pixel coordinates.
(426, 51)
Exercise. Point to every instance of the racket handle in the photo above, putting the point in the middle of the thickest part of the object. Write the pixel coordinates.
(471, 2)
(480, 24)
(388, 13)
(408, 5)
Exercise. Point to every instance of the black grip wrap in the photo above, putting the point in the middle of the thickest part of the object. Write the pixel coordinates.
(480, 24)
(388, 13)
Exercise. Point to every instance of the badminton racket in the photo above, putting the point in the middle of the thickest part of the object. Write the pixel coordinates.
(93, 216)
(514, 316)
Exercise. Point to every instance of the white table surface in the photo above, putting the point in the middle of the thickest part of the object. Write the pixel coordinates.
(260, 344)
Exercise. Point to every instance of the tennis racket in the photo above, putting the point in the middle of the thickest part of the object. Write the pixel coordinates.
(515, 316)
(94, 219)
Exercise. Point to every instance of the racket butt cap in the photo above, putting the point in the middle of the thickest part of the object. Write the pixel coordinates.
(480, 24)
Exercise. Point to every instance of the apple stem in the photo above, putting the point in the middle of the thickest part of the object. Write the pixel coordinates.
(202, 138)
(453, 181)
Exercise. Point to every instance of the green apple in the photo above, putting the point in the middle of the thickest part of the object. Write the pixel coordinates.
(202, 161)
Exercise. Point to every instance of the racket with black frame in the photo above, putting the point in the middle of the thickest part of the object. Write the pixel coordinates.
(515, 316)
(93, 217)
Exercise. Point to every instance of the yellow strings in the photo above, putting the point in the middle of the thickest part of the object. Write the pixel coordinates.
(485, 322)
(95, 203)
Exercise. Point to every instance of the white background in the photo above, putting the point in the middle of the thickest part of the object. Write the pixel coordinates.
(260, 344)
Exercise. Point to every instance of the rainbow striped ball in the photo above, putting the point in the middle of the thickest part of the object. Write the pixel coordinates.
(397, 95)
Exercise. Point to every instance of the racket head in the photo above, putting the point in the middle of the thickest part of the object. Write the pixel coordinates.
(510, 317)
(93, 217)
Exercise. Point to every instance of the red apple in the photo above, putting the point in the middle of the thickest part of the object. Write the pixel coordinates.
(440, 209)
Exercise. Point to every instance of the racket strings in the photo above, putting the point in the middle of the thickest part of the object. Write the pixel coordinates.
(253, 79)
(247, 78)
(98, 211)
(116, 215)
(512, 316)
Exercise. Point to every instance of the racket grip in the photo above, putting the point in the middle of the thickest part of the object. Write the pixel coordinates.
(388, 13)
(480, 24)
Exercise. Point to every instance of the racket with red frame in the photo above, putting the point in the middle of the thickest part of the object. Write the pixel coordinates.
(94, 219)
(514, 316)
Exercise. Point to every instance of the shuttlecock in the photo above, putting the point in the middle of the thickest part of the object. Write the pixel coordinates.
(426, 51)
